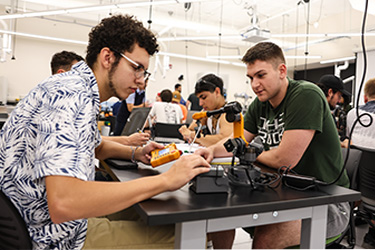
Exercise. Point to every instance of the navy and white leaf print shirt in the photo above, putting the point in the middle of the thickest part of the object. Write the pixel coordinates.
(52, 131)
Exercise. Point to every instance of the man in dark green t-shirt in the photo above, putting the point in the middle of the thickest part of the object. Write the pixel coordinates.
(294, 123)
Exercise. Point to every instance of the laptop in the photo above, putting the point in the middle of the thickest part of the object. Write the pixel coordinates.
(167, 133)
(136, 121)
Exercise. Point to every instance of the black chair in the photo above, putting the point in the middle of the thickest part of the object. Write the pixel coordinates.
(349, 234)
(366, 185)
(13, 230)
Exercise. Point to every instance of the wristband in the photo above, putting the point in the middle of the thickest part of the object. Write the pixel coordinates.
(133, 154)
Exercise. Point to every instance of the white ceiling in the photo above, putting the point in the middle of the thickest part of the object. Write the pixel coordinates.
(285, 19)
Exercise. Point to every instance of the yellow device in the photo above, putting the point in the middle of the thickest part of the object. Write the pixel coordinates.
(164, 155)
(233, 115)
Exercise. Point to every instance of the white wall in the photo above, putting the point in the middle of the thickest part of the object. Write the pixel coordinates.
(32, 64)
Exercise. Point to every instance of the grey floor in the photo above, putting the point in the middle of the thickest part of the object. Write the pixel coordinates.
(243, 240)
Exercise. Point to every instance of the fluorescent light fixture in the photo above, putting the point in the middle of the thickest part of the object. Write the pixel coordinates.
(292, 35)
(196, 58)
(202, 59)
(93, 8)
(303, 57)
(225, 57)
(239, 65)
(338, 60)
(196, 38)
(90, 9)
(288, 57)
(43, 37)
(239, 37)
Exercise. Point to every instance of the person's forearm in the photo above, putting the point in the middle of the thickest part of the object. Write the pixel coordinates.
(84, 199)
(275, 158)
(118, 139)
(110, 149)
(290, 150)
(270, 158)
(209, 140)
(139, 106)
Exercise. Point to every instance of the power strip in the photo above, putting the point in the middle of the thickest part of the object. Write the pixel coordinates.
(298, 181)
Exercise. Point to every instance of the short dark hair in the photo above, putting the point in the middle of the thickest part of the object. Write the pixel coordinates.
(119, 33)
(177, 85)
(209, 82)
(166, 95)
(64, 60)
(264, 51)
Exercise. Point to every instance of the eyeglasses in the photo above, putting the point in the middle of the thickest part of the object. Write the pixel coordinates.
(139, 69)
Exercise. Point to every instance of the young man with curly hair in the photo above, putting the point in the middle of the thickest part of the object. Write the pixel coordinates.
(62, 62)
(50, 141)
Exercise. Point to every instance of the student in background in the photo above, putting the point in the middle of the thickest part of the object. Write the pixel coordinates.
(62, 62)
(115, 108)
(176, 98)
(209, 90)
(135, 100)
(50, 141)
(165, 111)
(178, 88)
(333, 88)
(364, 137)
(192, 103)
(294, 134)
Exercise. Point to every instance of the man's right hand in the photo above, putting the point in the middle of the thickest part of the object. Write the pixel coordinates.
(185, 169)
(186, 133)
(206, 153)
(138, 139)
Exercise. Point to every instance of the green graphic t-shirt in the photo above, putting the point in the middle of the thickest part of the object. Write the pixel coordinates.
(303, 107)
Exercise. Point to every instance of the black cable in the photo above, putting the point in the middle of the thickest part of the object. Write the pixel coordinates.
(265, 179)
(358, 119)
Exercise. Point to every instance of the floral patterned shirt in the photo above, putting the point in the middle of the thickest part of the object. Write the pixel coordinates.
(52, 131)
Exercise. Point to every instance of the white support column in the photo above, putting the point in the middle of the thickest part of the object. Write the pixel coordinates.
(190, 235)
(315, 228)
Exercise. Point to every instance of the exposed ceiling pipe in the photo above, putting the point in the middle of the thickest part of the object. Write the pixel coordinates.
(5, 41)
(339, 68)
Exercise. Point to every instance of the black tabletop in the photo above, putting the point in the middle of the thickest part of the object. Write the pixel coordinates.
(185, 205)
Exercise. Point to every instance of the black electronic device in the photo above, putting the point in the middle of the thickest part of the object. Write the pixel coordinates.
(121, 164)
(214, 181)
